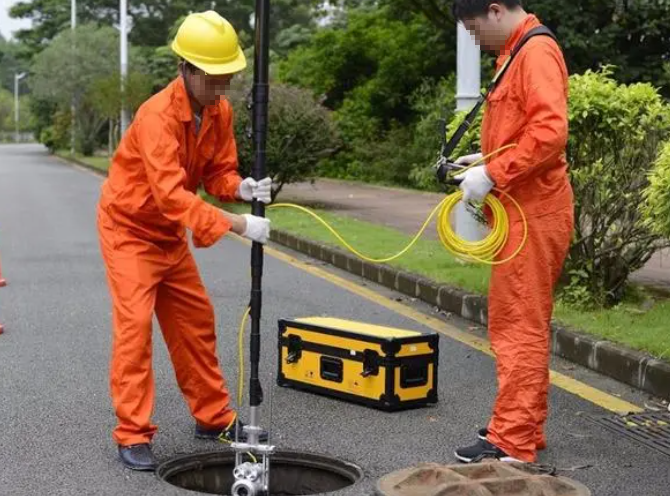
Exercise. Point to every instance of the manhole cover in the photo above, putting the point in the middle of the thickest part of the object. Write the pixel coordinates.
(481, 479)
(291, 473)
(650, 429)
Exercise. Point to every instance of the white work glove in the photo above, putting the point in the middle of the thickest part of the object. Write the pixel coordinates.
(258, 228)
(476, 183)
(468, 159)
(250, 190)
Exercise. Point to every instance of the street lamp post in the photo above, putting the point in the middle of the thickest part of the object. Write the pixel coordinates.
(468, 70)
(124, 62)
(468, 73)
(17, 79)
(73, 25)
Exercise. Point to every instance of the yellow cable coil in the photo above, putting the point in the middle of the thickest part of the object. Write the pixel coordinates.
(484, 251)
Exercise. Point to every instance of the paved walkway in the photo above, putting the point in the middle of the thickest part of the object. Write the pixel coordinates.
(406, 210)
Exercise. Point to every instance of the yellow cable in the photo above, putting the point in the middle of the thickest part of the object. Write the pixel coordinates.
(240, 343)
(484, 251)
(240, 374)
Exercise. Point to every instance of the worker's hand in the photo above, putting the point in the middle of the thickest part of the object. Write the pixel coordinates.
(250, 190)
(468, 159)
(257, 228)
(475, 183)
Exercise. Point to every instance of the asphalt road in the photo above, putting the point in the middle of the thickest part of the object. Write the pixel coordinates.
(55, 412)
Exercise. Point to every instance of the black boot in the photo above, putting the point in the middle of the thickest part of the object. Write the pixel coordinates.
(138, 457)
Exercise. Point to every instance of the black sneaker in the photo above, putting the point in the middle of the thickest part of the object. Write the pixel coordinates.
(228, 434)
(138, 457)
(484, 433)
(481, 451)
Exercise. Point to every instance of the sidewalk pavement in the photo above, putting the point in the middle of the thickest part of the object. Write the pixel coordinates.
(406, 210)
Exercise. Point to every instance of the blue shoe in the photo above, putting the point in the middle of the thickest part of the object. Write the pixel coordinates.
(227, 434)
(138, 457)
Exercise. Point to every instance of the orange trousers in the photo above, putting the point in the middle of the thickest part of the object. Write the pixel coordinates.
(144, 278)
(520, 307)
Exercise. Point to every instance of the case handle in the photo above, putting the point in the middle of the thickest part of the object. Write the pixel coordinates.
(332, 369)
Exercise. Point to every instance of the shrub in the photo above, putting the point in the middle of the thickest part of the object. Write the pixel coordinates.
(300, 133)
(616, 132)
(657, 195)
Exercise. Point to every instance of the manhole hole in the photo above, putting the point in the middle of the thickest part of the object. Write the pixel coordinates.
(291, 473)
(484, 479)
(649, 429)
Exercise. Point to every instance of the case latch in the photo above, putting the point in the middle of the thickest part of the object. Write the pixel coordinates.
(370, 363)
(294, 349)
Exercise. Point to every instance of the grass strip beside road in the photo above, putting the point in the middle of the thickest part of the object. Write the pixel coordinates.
(642, 326)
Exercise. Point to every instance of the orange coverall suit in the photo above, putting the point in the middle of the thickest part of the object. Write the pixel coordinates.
(529, 108)
(147, 203)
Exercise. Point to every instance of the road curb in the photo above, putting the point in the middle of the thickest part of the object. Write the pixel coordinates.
(628, 366)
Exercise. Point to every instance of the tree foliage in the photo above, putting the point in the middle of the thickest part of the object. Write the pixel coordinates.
(11, 62)
(368, 67)
(632, 35)
(151, 20)
(84, 64)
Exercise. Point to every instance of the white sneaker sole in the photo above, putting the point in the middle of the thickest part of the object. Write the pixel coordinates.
(504, 459)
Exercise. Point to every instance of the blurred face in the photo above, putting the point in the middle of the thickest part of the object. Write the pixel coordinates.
(491, 29)
(206, 89)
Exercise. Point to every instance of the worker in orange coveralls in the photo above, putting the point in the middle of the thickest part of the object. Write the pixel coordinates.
(529, 109)
(180, 139)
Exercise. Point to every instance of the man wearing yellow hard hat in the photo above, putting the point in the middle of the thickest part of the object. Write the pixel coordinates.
(181, 139)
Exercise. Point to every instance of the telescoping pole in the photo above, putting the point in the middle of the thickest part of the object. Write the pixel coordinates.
(259, 128)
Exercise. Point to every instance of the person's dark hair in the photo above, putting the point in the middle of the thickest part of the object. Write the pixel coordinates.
(468, 9)
(190, 68)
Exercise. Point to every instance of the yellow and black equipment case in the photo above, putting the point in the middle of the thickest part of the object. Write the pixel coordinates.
(382, 367)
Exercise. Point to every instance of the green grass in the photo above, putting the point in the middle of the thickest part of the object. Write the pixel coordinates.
(640, 324)
(637, 326)
(100, 163)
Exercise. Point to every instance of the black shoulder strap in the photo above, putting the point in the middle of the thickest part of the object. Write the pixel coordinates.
(449, 147)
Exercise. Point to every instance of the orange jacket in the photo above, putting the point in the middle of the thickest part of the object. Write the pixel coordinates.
(530, 108)
(160, 163)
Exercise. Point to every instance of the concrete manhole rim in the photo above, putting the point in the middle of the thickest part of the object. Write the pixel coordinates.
(203, 459)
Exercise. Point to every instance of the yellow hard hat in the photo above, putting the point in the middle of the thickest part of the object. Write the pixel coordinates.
(209, 42)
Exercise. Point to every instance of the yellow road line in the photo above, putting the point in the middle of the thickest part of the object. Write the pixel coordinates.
(573, 386)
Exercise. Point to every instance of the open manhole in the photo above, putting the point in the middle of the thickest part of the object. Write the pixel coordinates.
(482, 479)
(291, 473)
(649, 429)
